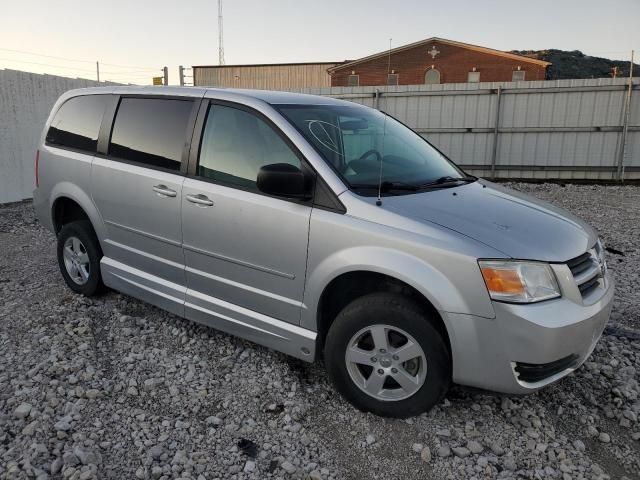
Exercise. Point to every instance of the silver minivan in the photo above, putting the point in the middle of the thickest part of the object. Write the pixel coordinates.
(325, 230)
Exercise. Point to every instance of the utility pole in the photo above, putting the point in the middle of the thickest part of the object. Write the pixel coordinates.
(98, 70)
(220, 35)
(166, 76)
(625, 122)
(181, 75)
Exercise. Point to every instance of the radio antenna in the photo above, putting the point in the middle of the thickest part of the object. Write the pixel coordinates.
(384, 134)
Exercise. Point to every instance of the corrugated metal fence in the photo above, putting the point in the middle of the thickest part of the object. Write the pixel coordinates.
(25, 102)
(560, 129)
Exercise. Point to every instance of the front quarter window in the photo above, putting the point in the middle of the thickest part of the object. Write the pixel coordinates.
(357, 141)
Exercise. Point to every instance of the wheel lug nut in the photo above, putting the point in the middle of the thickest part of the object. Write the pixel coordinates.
(382, 350)
(394, 370)
(380, 371)
(374, 359)
(395, 357)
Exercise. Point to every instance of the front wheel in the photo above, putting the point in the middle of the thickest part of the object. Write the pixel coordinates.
(384, 355)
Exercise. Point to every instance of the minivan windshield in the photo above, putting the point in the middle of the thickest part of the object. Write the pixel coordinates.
(367, 147)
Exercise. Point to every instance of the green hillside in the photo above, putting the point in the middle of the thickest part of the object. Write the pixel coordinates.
(575, 64)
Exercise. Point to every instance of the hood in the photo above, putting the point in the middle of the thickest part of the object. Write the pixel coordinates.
(516, 224)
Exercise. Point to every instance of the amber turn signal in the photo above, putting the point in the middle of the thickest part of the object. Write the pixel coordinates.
(503, 281)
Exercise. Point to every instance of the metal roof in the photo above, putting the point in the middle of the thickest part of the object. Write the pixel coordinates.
(269, 64)
(468, 46)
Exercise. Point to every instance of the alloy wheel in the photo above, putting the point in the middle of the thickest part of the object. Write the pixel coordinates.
(386, 362)
(76, 260)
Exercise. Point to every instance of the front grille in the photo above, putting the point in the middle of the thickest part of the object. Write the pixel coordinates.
(586, 271)
(588, 286)
(580, 264)
(536, 372)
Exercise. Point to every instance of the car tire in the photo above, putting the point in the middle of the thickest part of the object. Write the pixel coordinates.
(422, 372)
(79, 255)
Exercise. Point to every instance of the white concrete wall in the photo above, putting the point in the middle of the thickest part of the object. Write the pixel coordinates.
(25, 102)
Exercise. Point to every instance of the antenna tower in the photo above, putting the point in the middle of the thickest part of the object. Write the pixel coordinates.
(220, 35)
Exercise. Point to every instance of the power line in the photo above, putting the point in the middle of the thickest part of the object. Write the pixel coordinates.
(47, 65)
(119, 77)
(127, 66)
(133, 74)
(149, 71)
(47, 56)
(122, 79)
(73, 59)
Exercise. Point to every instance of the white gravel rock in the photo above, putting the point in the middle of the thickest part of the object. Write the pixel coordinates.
(119, 389)
(604, 437)
(23, 410)
(444, 451)
(461, 452)
(425, 454)
(475, 447)
(288, 467)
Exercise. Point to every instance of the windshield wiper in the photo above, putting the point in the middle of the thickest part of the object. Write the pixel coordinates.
(448, 181)
(388, 186)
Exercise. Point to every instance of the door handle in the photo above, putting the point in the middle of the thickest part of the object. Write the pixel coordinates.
(164, 191)
(200, 200)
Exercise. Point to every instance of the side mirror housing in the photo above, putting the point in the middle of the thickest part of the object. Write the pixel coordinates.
(283, 180)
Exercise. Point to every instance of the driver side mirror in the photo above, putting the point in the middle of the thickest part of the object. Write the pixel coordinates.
(284, 180)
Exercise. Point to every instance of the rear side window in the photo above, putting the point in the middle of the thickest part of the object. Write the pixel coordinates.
(76, 124)
(151, 131)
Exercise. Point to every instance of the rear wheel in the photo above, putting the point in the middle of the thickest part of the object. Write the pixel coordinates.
(385, 356)
(79, 255)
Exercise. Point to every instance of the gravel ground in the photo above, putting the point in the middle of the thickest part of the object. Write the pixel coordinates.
(114, 388)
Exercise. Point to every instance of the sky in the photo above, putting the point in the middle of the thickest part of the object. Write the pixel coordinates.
(134, 39)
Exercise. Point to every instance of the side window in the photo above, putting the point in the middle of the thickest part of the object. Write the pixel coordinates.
(235, 144)
(432, 77)
(473, 77)
(76, 124)
(151, 131)
(517, 76)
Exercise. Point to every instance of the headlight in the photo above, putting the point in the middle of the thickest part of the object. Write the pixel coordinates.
(520, 282)
(600, 252)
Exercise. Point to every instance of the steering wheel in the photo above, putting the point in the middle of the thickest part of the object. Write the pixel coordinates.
(368, 153)
(357, 165)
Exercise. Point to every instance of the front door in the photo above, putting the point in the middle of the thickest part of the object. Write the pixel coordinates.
(245, 252)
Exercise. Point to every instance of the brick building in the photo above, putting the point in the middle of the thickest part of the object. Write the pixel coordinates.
(437, 60)
(434, 60)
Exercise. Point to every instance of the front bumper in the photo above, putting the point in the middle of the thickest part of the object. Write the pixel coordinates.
(486, 352)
